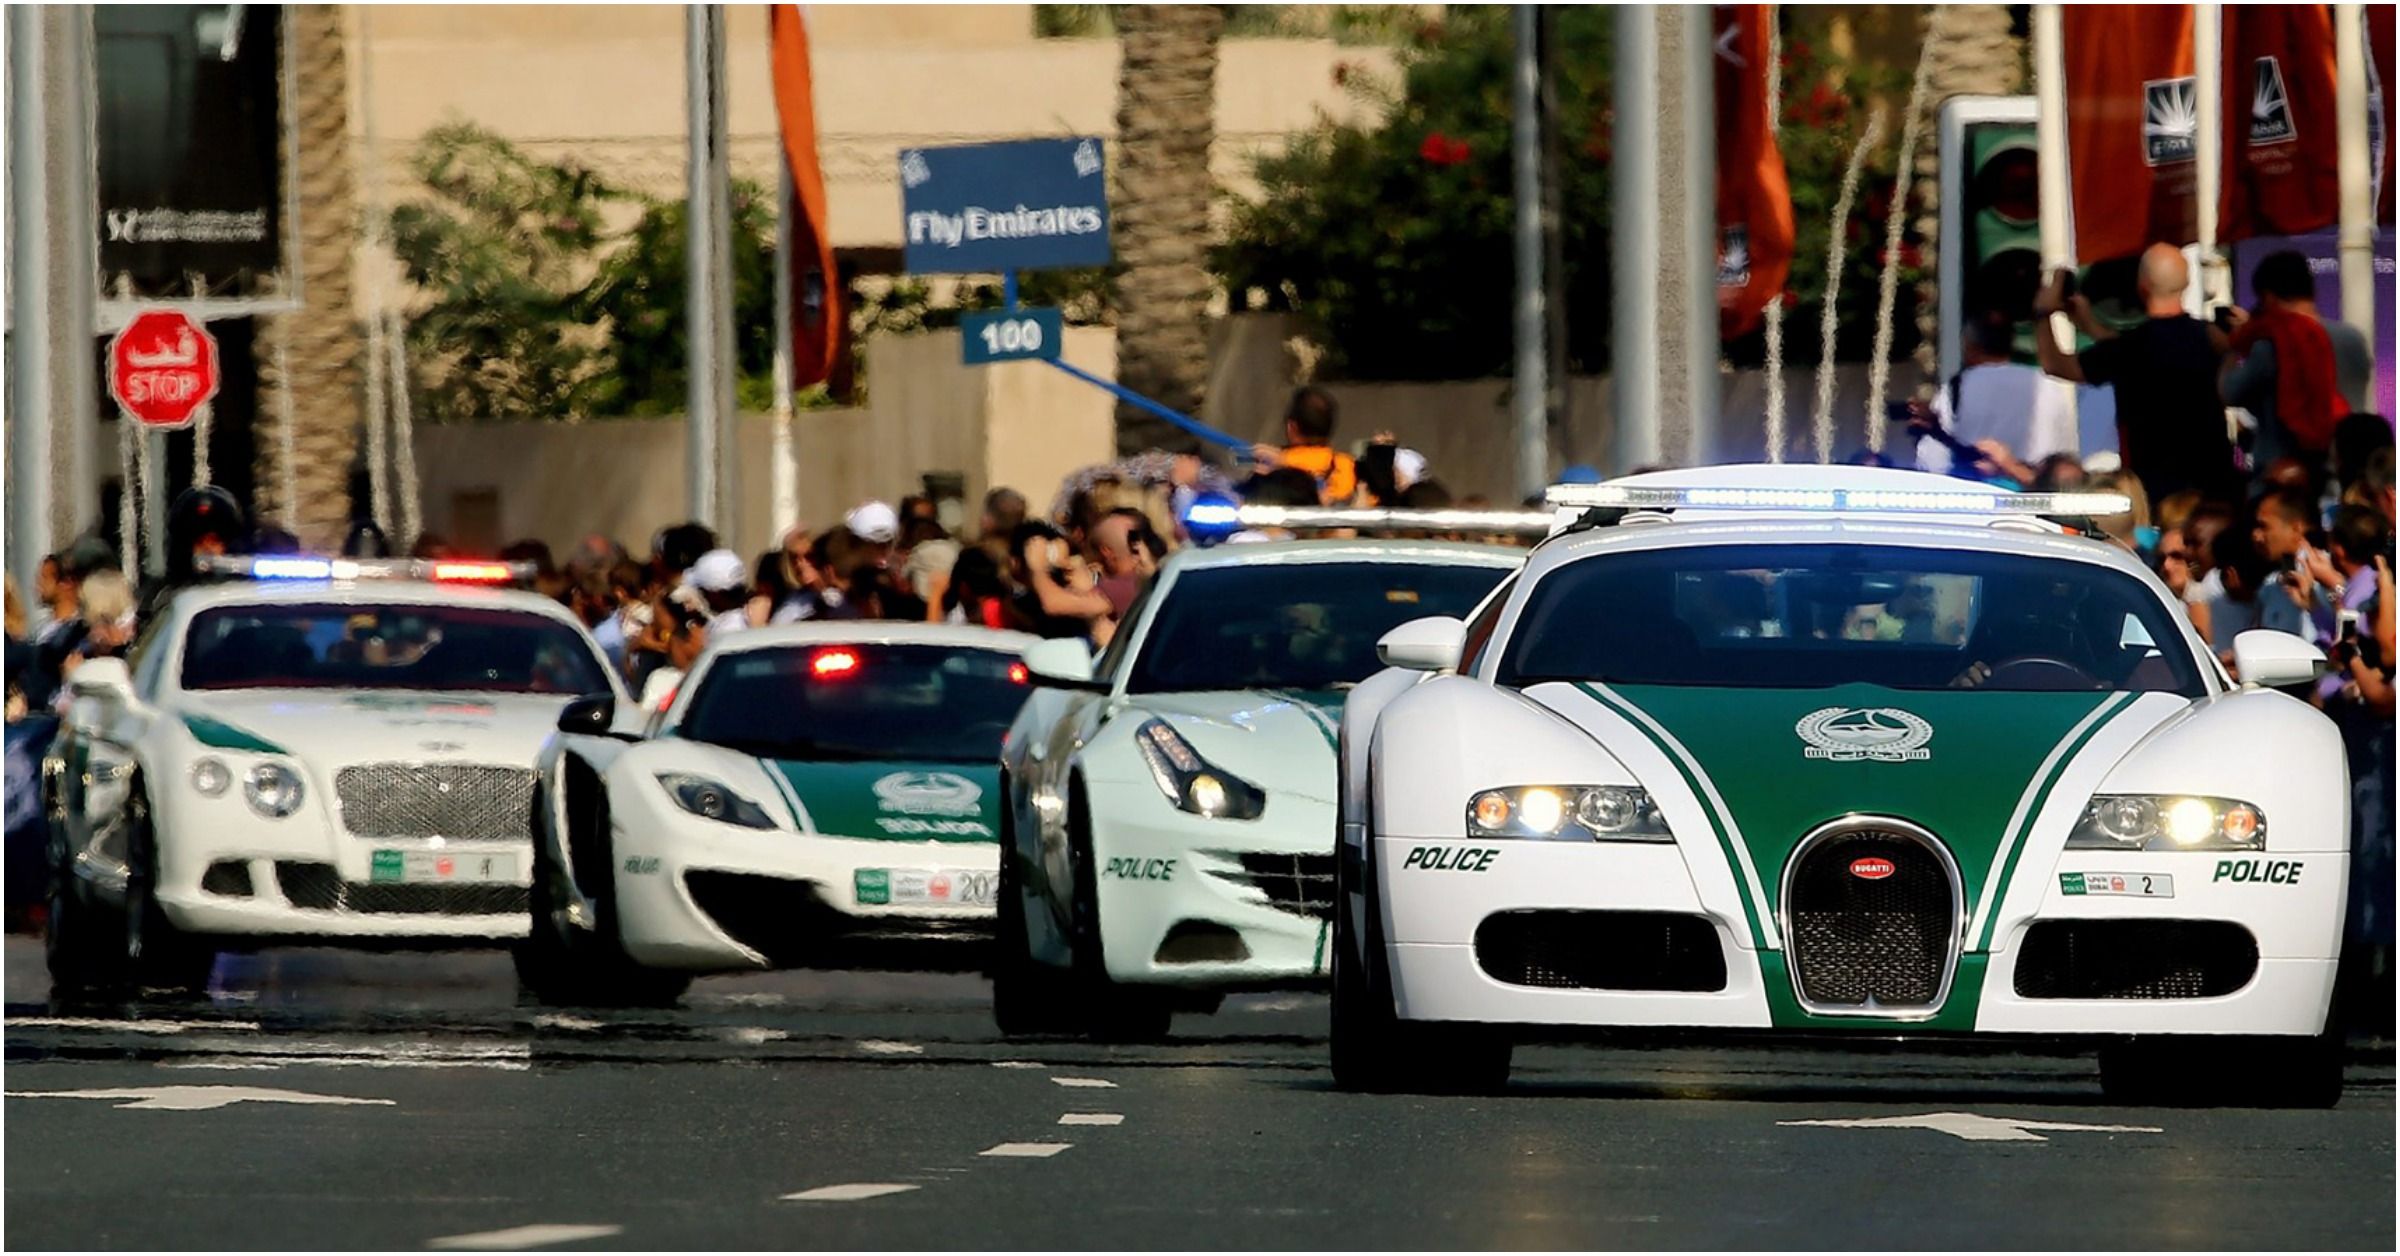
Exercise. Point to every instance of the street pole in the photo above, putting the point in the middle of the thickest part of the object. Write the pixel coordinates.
(786, 462)
(2357, 236)
(723, 360)
(30, 398)
(74, 270)
(2211, 280)
(2053, 184)
(1633, 334)
(1533, 359)
(1699, 234)
(699, 254)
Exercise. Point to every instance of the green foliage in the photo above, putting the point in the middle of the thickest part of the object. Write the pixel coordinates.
(1081, 294)
(639, 293)
(1343, 23)
(1392, 238)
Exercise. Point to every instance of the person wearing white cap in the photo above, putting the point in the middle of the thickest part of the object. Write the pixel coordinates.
(723, 580)
(874, 522)
(1408, 467)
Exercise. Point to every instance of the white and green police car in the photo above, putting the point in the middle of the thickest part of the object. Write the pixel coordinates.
(1840, 751)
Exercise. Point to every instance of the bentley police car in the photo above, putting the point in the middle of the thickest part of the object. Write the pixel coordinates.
(1839, 750)
(330, 750)
(810, 795)
(1168, 816)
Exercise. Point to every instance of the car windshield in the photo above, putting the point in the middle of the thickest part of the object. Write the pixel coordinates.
(1800, 617)
(1293, 625)
(921, 703)
(419, 646)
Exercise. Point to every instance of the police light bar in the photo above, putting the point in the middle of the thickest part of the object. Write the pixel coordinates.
(305, 567)
(1311, 518)
(1838, 500)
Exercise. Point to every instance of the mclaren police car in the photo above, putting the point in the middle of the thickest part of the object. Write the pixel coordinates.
(811, 794)
(1840, 751)
(328, 750)
(1168, 814)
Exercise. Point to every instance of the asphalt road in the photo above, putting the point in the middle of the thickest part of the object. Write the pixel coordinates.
(324, 1100)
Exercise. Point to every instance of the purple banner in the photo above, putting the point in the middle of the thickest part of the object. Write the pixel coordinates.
(2324, 261)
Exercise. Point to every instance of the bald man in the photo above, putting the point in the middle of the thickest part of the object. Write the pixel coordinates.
(2170, 420)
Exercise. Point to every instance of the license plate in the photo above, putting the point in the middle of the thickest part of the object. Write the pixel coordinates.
(924, 887)
(418, 866)
(2122, 884)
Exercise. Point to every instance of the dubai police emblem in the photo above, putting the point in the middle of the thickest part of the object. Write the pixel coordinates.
(1851, 734)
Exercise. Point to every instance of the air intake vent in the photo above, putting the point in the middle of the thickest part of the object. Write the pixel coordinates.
(1871, 919)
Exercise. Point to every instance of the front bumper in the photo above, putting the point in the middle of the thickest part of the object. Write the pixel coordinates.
(695, 895)
(1212, 904)
(1433, 914)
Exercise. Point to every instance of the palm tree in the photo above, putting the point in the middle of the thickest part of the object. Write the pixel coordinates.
(1166, 118)
(1975, 52)
(324, 338)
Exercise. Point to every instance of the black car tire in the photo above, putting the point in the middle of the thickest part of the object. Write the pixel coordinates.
(1028, 997)
(1110, 1011)
(562, 964)
(159, 956)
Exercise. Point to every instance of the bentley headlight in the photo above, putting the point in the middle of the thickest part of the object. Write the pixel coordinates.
(1191, 782)
(1567, 813)
(274, 790)
(711, 801)
(210, 777)
(2168, 822)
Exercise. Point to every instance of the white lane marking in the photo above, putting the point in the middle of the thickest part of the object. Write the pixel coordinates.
(849, 1191)
(554, 1020)
(126, 1026)
(193, 1098)
(1287, 1003)
(1034, 1151)
(1018, 1064)
(1091, 1118)
(753, 1035)
(518, 1238)
(1088, 1083)
(877, 1046)
(276, 1061)
(1977, 1129)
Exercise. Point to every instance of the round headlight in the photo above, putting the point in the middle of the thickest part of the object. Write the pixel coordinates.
(210, 777)
(1491, 810)
(1208, 795)
(2127, 819)
(709, 801)
(2241, 823)
(2190, 821)
(273, 789)
(1542, 810)
(1607, 810)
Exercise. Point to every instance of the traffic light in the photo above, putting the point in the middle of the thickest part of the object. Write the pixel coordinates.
(1990, 258)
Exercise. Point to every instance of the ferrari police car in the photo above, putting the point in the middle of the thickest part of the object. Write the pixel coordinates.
(1168, 817)
(810, 794)
(1839, 750)
(329, 750)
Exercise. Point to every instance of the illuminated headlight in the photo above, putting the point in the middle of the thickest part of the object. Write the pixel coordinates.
(210, 777)
(1191, 782)
(274, 790)
(1567, 813)
(711, 801)
(2168, 822)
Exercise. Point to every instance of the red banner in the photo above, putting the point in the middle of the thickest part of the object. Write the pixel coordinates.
(2133, 120)
(1754, 197)
(2282, 168)
(2379, 89)
(818, 325)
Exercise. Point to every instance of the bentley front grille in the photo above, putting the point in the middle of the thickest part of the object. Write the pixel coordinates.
(1299, 884)
(1871, 913)
(465, 801)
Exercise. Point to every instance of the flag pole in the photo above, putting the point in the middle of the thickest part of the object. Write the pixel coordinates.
(1633, 176)
(2211, 283)
(1532, 323)
(2054, 185)
(786, 464)
(2357, 219)
(699, 322)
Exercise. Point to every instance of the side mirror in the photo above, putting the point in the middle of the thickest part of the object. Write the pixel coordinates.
(102, 678)
(2265, 658)
(1062, 664)
(1431, 644)
(592, 715)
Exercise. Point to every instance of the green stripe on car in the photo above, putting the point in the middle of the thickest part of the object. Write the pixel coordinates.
(892, 801)
(220, 735)
(1727, 839)
(2037, 797)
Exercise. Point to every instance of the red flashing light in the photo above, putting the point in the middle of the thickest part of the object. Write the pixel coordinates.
(1020, 674)
(828, 664)
(474, 573)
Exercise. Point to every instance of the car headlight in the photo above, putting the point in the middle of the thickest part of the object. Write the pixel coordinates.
(2168, 822)
(273, 789)
(1191, 782)
(210, 777)
(1567, 813)
(711, 801)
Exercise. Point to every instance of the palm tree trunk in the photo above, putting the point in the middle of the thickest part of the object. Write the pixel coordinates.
(1166, 119)
(1976, 54)
(325, 344)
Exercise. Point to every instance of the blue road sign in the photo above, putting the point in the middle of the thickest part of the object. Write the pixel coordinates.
(1018, 205)
(1018, 335)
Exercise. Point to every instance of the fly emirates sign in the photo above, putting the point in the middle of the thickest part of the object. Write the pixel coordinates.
(1020, 205)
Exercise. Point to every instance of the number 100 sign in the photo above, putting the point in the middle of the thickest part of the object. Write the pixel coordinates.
(1011, 335)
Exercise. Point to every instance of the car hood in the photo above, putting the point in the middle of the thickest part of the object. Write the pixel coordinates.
(1281, 740)
(891, 800)
(355, 726)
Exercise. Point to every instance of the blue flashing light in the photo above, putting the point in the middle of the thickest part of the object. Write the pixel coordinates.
(291, 569)
(1212, 517)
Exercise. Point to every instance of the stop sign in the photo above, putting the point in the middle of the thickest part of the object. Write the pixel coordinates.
(162, 368)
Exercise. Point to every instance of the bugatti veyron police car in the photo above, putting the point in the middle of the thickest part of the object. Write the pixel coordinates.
(1840, 750)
